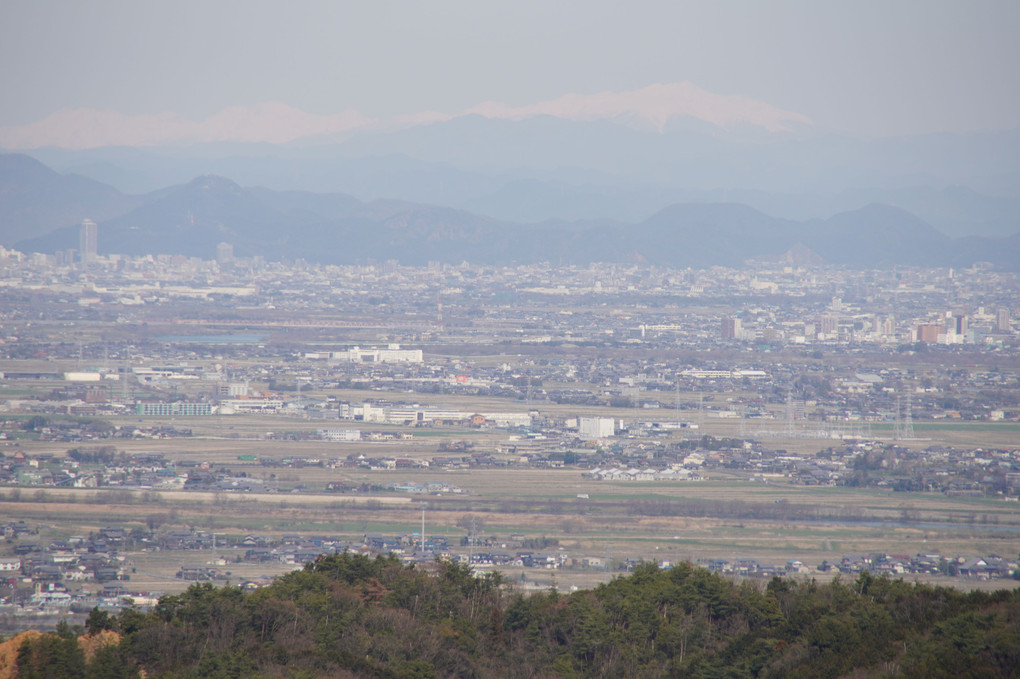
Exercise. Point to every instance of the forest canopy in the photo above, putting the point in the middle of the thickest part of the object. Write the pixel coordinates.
(348, 615)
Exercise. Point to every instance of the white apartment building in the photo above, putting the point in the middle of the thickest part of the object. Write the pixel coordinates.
(596, 427)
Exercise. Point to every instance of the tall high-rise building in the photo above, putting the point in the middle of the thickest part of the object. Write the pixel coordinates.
(956, 323)
(1002, 321)
(88, 241)
(889, 325)
(928, 333)
(225, 253)
(731, 328)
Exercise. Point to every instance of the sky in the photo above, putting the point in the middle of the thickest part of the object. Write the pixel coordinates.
(866, 68)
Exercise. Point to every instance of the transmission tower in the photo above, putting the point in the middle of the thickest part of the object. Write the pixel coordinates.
(908, 422)
(789, 412)
(898, 427)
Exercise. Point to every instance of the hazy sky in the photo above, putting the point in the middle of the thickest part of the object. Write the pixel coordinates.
(883, 67)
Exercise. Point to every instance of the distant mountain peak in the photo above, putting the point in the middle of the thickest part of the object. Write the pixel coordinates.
(42, 214)
(709, 212)
(656, 104)
(212, 182)
(35, 200)
(278, 123)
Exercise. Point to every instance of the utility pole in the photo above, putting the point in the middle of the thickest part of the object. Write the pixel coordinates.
(423, 506)
(471, 540)
(678, 403)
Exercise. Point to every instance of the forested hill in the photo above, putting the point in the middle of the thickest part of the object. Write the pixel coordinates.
(350, 616)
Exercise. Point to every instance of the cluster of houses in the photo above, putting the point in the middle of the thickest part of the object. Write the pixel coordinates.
(78, 573)
(977, 472)
(953, 471)
(120, 470)
(975, 567)
(77, 559)
(893, 565)
(491, 553)
(751, 568)
(430, 488)
(672, 473)
(411, 548)
(497, 552)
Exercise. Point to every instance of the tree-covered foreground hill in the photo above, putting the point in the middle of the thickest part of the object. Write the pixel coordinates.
(351, 616)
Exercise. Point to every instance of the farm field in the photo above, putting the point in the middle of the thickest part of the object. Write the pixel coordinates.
(666, 522)
(789, 455)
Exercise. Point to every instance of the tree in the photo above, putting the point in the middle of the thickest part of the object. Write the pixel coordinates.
(35, 423)
(98, 621)
(51, 656)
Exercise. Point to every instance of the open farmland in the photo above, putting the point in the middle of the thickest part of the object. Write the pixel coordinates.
(558, 440)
